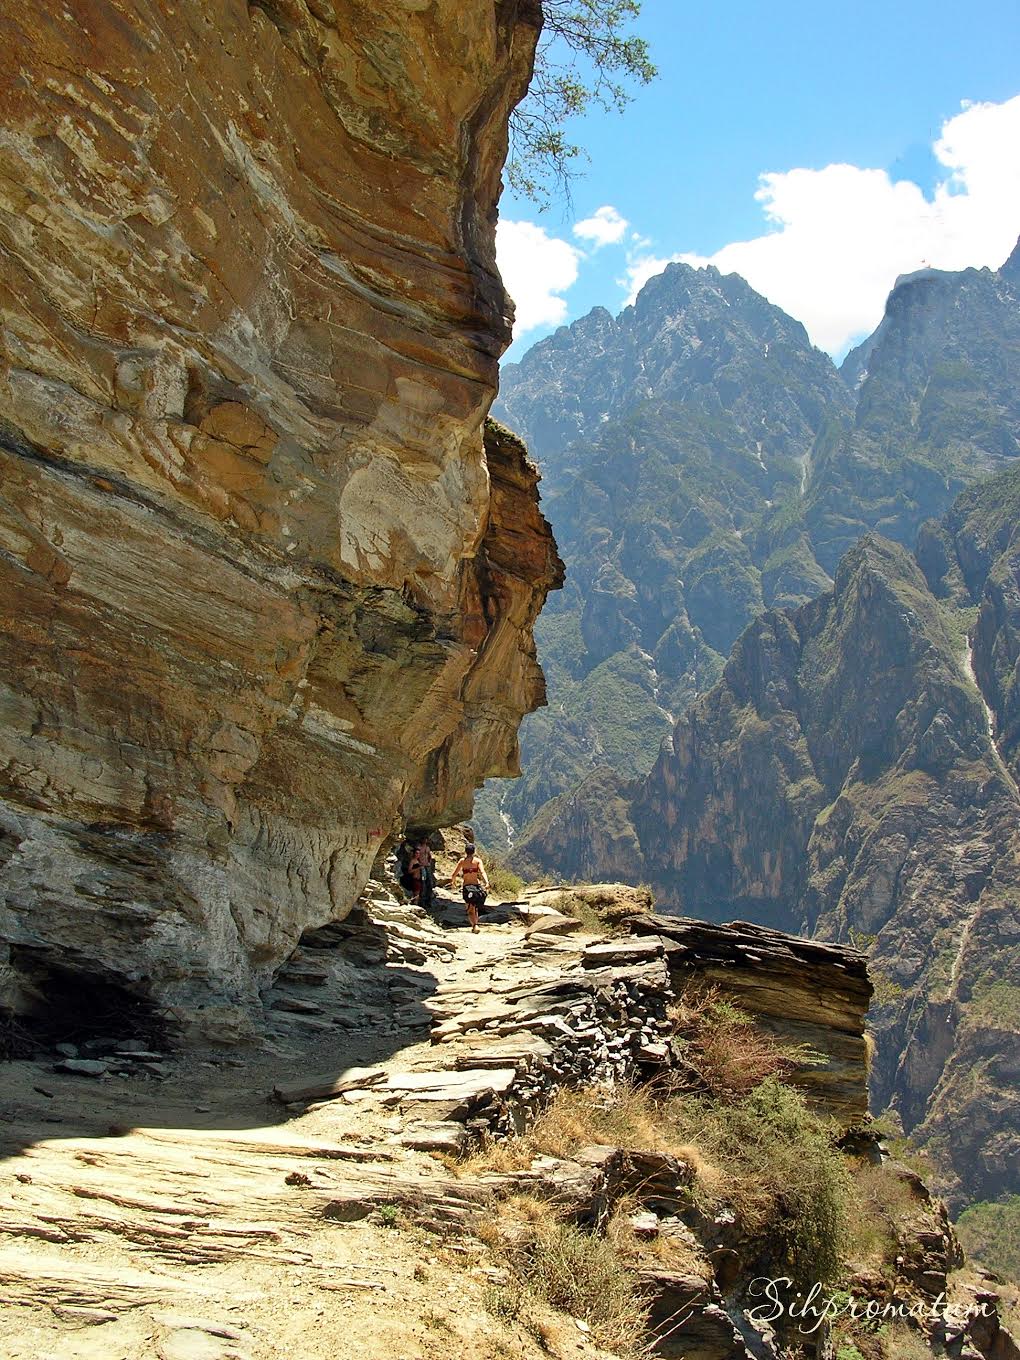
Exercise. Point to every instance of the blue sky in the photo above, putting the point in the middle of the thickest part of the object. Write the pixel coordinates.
(843, 106)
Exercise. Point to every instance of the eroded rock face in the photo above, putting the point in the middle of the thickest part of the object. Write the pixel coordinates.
(842, 779)
(263, 587)
(585, 834)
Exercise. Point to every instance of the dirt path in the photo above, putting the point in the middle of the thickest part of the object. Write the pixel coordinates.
(179, 1213)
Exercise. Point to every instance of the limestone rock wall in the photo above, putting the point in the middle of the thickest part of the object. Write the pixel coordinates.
(263, 588)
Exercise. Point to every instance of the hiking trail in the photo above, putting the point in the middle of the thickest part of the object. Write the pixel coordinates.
(172, 1208)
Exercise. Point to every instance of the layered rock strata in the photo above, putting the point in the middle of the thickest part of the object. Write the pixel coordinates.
(263, 586)
(812, 997)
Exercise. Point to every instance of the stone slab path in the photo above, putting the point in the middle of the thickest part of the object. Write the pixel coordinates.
(247, 1205)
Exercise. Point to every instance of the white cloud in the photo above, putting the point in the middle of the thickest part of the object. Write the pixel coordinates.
(536, 269)
(605, 227)
(841, 235)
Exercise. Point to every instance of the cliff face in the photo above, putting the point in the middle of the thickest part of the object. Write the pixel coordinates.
(263, 587)
(972, 561)
(842, 779)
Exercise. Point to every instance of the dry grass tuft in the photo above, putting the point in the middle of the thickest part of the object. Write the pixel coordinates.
(666, 1251)
(903, 1342)
(624, 1116)
(506, 1301)
(708, 1176)
(577, 1273)
(504, 883)
(878, 1202)
(604, 909)
(573, 904)
(513, 1154)
(721, 1049)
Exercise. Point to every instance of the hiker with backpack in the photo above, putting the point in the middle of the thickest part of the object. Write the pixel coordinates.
(407, 868)
(425, 863)
(476, 884)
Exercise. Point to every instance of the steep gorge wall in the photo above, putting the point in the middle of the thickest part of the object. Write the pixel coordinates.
(841, 780)
(853, 776)
(264, 589)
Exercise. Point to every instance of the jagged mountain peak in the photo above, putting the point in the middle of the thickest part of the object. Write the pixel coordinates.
(1011, 269)
(682, 287)
(678, 285)
(597, 322)
(666, 435)
(681, 294)
(693, 333)
(876, 556)
(939, 307)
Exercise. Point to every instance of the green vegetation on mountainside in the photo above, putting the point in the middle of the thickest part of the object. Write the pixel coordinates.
(990, 1232)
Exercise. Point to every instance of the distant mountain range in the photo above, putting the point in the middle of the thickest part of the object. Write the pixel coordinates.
(851, 769)
(702, 462)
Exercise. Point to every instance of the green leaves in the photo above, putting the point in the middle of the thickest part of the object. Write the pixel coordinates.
(583, 59)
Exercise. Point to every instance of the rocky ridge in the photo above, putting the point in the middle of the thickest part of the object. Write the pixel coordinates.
(265, 588)
(853, 774)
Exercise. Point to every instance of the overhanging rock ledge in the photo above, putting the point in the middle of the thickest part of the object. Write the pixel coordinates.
(263, 586)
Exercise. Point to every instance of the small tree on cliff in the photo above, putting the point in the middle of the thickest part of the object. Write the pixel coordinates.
(583, 58)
